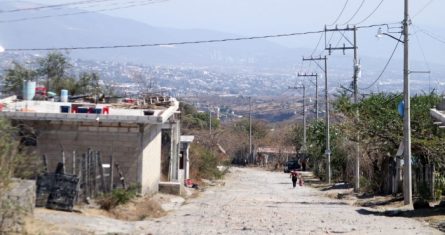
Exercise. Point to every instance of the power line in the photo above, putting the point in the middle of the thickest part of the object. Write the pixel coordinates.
(318, 44)
(422, 9)
(356, 12)
(341, 13)
(180, 43)
(129, 5)
(166, 44)
(425, 60)
(384, 68)
(372, 13)
(431, 35)
(53, 6)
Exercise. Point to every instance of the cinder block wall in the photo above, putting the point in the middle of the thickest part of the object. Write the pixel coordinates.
(151, 161)
(123, 141)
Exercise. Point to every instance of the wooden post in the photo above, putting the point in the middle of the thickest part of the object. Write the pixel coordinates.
(91, 166)
(74, 163)
(45, 163)
(121, 176)
(89, 172)
(111, 173)
(85, 174)
(63, 162)
(101, 173)
(432, 182)
(79, 174)
(94, 156)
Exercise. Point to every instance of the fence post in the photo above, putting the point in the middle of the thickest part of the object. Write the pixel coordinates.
(45, 163)
(101, 173)
(63, 162)
(74, 162)
(85, 173)
(111, 173)
(433, 181)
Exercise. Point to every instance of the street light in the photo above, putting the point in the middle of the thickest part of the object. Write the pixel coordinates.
(380, 34)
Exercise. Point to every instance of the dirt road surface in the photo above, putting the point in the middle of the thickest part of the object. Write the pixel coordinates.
(253, 201)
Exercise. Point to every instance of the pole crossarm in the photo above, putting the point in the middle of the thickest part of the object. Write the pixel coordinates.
(316, 88)
(344, 47)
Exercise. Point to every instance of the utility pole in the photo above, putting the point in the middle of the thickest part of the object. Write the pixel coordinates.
(316, 89)
(210, 122)
(250, 127)
(304, 148)
(355, 91)
(328, 145)
(407, 180)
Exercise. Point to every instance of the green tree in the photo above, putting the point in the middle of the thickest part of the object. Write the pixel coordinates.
(88, 84)
(192, 119)
(15, 76)
(54, 67)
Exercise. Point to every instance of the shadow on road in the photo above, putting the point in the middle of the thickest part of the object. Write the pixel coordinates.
(338, 186)
(313, 203)
(404, 213)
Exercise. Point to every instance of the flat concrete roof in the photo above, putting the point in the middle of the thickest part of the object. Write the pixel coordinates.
(51, 111)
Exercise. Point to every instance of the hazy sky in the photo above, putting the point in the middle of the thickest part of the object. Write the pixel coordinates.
(259, 17)
(264, 17)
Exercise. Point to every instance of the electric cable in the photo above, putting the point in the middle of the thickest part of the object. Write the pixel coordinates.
(318, 44)
(431, 35)
(384, 68)
(372, 13)
(356, 12)
(422, 9)
(180, 43)
(130, 4)
(166, 44)
(425, 60)
(341, 13)
(54, 6)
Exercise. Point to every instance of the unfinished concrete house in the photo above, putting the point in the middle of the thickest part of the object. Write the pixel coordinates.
(125, 135)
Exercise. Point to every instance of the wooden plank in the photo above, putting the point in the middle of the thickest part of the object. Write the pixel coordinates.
(63, 162)
(45, 163)
(94, 163)
(79, 174)
(74, 163)
(121, 176)
(101, 173)
(111, 173)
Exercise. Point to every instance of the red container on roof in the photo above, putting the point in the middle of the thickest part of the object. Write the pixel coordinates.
(41, 91)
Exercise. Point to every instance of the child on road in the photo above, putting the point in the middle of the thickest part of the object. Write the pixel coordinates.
(294, 176)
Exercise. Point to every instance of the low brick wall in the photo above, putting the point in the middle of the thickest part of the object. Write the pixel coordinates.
(16, 204)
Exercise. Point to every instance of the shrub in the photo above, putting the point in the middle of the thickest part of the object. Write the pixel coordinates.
(117, 197)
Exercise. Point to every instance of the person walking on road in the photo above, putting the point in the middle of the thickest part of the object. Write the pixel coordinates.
(294, 176)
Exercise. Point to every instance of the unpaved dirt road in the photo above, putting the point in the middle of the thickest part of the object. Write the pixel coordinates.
(252, 202)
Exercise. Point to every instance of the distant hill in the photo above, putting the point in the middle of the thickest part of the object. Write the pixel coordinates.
(95, 29)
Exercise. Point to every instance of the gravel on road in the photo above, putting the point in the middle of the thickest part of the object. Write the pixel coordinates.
(253, 201)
